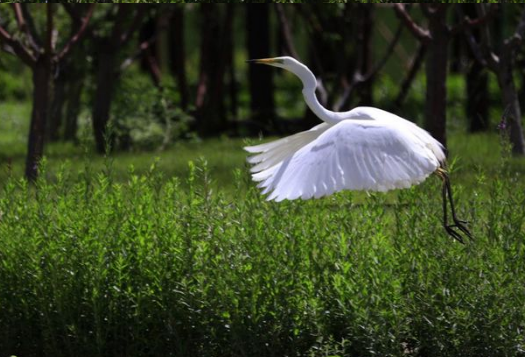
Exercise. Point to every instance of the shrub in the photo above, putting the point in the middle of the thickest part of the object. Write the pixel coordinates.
(93, 267)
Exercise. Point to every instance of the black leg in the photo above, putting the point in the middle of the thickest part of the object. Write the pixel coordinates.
(459, 224)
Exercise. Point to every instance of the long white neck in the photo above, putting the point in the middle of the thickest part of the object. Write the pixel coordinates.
(313, 103)
(309, 86)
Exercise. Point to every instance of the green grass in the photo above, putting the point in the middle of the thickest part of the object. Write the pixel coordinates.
(133, 256)
(94, 267)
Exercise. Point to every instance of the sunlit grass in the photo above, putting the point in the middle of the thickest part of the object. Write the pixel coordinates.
(96, 265)
(160, 253)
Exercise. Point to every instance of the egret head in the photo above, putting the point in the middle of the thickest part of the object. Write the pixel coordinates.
(292, 65)
(283, 62)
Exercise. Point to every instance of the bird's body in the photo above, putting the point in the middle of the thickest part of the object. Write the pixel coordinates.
(368, 149)
(363, 149)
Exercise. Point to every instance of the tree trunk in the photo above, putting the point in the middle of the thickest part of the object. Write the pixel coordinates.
(477, 98)
(211, 116)
(105, 80)
(477, 106)
(232, 81)
(149, 62)
(178, 54)
(57, 105)
(35, 147)
(436, 73)
(512, 104)
(262, 104)
(73, 108)
(365, 20)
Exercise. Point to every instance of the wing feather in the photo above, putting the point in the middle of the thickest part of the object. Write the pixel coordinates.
(354, 154)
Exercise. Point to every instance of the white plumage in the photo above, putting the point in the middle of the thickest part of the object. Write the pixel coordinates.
(380, 153)
(363, 149)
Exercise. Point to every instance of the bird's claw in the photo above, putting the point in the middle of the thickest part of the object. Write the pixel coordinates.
(451, 232)
(459, 224)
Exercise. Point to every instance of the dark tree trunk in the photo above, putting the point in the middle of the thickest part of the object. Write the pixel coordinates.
(477, 106)
(232, 82)
(40, 56)
(178, 54)
(457, 53)
(57, 105)
(149, 62)
(35, 147)
(365, 19)
(436, 73)
(511, 103)
(105, 80)
(211, 116)
(477, 98)
(262, 104)
(126, 22)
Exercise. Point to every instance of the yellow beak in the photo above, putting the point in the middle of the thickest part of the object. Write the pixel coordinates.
(265, 60)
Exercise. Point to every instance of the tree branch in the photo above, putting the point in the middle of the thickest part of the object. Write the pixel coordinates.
(80, 33)
(471, 23)
(380, 64)
(20, 16)
(22, 26)
(144, 46)
(482, 50)
(475, 47)
(407, 82)
(359, 78)
(36, 43)
(420, 33)
(20, 50)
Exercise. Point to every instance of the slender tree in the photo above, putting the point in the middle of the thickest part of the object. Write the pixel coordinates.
(178, 54)
(216, 26)
(501, 63)
(436, 38)
(259, 77)
(107, 46)
(365, 15)
(477, 108)
(38, 51)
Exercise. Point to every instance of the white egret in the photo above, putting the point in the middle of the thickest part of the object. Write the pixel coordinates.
(363, 149)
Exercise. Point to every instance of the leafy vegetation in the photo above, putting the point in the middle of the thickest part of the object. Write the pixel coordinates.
(97, 262)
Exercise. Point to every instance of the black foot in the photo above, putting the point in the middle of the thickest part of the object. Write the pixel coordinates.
(459, 224)
(451, 232)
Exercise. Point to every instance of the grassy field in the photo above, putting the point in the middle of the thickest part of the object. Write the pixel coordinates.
(187, 259)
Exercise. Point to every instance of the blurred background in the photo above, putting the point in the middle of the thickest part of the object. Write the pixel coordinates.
(172, 79)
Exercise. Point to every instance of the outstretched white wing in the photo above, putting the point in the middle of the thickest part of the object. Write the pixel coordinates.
(276, 151)
(353, 154)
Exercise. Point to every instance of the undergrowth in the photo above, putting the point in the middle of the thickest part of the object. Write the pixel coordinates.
(92, 266)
